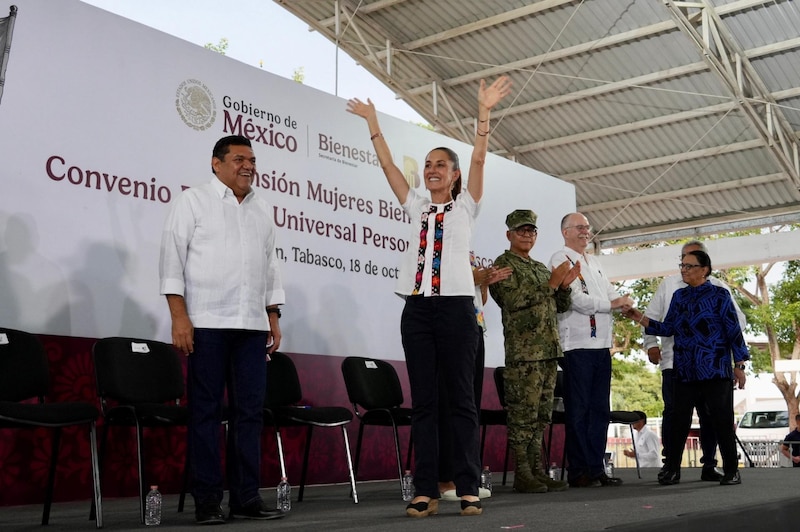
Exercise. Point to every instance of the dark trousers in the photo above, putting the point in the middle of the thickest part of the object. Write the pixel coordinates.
(440, 336)
(235, 358)
(708, 438)
(587, 389)
(446, 444)
(717, 396)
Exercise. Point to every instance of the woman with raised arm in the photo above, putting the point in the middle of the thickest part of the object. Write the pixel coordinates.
(438, 326)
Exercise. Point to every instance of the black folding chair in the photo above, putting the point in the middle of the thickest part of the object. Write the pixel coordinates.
(24, 375)
(374, 389)
(496, 417)
(558, 418)
(140, 384)
(627, 417)
(281, 410)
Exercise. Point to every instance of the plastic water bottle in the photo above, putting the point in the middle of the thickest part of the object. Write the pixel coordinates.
(486, 478)
(152, 507)
(408, 486)
(555, 472)
(284, 495)
(610, 468)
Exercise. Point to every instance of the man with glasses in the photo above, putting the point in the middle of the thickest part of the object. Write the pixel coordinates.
(586, 339)
(663, 356)
(529, 300)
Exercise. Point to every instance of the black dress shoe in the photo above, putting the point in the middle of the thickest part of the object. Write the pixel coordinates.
(583, 481)
(605, 480)
(730, 479)
(209, 514)
(670, 478)
(710, 474)
(256, 510)
(663, 471)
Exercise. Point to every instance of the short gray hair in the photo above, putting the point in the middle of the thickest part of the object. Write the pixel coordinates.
(697, 243)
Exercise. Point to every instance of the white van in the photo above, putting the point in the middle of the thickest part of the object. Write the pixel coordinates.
(761, 429)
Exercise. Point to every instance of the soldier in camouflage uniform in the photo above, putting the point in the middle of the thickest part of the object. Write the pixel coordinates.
(529, 300)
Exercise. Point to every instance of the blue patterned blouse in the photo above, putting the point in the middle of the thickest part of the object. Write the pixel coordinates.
(703, 322)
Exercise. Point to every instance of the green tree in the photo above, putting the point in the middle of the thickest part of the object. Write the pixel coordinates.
(635, 387)
(221, 47)
(773, 311)
(299, 75)
(635, 384)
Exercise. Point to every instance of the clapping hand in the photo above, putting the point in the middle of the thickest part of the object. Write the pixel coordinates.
(491, 275)
(563, 275)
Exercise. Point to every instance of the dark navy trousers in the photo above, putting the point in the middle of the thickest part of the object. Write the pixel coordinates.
(587, 390)
(234, 360)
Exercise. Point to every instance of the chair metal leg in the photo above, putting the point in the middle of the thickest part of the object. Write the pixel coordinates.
(358, 448)
(185, 487)
(93, 510)
(410, 448)
(350, 471)
(51, 475)
(483, 442)
(635, 454)
(305, 464)
(98, 497)
(397, 453)
(139, 453)
(280, 450)
(358, 452)
(505, 461)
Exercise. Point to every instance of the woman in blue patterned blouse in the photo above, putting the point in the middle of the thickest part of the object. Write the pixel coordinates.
(703, 322)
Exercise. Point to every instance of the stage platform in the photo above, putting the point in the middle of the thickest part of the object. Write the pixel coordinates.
(767, 499)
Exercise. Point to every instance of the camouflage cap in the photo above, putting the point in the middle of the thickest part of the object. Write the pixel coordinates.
(520, 217)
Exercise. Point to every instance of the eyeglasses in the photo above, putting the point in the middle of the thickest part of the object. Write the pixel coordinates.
(587, 228)
(684, 266)
(526, 230)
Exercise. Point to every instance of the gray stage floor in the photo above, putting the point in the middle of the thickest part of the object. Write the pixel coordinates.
(767, 499)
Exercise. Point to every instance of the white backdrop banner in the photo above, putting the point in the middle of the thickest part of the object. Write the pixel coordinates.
(103, 123)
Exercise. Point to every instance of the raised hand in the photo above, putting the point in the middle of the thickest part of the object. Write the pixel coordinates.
(489, 96)
(359, 108)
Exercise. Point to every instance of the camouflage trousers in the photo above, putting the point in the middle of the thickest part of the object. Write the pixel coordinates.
(529, 398)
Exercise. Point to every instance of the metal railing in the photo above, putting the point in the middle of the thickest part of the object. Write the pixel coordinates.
(757, 453)
(691, 453)
(763, 453)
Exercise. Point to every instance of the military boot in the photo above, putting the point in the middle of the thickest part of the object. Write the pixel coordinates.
(552, 485)
(524, 481)
(535, 461)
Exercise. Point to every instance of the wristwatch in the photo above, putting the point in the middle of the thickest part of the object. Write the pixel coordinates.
(274, 311)
(739, 365)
